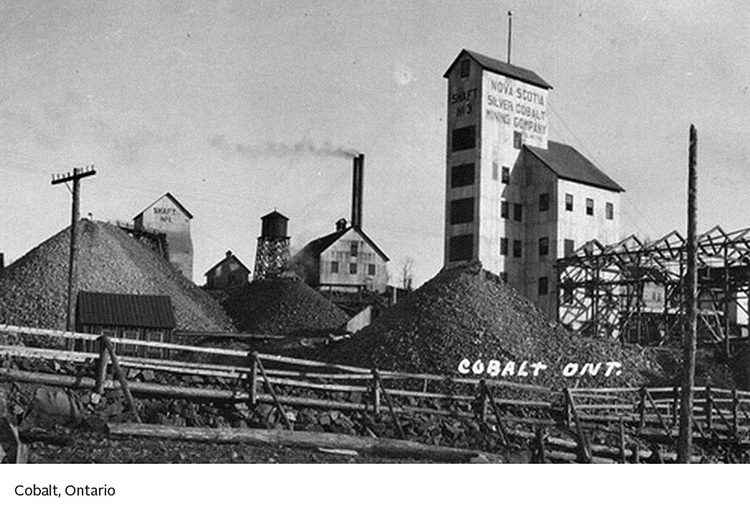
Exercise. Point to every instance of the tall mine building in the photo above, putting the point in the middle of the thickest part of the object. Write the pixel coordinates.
(514, 199)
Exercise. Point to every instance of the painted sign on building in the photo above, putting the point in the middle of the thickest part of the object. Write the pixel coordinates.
(515, 107)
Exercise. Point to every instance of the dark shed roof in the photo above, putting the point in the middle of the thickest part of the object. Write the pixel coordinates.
(567, 163)
(125, 310)
(500, 67)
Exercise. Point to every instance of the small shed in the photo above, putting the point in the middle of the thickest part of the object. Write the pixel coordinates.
(229, 272)
(130, 316)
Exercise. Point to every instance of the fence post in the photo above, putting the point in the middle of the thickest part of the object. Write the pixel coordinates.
(378, 387)
(642, 411)
(253, 379)
(709, 409)
(622, 440)
(101, 365)
(735, 416)
(540, 438)
(375, 392)
(272, 391)
(121, 378)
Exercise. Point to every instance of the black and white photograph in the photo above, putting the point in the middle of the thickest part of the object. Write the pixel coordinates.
(375, 239)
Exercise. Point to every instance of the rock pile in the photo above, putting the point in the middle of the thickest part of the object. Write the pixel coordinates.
(469, 313)
(282, 306)
(33, 289)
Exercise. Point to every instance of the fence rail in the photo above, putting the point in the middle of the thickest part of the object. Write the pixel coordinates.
(720, 416)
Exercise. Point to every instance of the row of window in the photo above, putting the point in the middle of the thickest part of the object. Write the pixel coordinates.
(464, 174)
(353, 268)
(464, 138)
(609, 208)
(569, 247)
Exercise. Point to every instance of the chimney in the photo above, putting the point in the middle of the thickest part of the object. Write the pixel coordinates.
(359, 169)
(341, 225)
(2, 261)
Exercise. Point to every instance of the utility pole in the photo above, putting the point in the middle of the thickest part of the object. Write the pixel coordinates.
(685, 443)
(75, 177)
(510, 31)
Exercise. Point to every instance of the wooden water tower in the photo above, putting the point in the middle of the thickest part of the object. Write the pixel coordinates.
(272, 253)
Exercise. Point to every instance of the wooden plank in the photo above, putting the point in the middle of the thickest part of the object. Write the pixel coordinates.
(304, 439)
(105, 344)
(311, 385)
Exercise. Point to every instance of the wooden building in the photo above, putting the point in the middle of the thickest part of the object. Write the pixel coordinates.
(229, 272)
(168, 216)
(346, 260)
(130, 316)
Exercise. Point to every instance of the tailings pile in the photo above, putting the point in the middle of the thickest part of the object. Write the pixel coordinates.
(33, 290)
(469, 313)
(282, 306)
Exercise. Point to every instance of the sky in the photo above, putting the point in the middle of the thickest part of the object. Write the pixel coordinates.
(239, 108)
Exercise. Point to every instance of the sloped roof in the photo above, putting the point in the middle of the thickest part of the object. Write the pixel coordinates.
(33, 290)
(173, 200)
(567, 163)
(125, 310)
(319, 245)
(275, 215)
(229, 256)
(494, 65)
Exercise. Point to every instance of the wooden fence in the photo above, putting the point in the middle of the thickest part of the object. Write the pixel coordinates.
(506, 408)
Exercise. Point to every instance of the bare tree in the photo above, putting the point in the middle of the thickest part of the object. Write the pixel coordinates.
(407, 273)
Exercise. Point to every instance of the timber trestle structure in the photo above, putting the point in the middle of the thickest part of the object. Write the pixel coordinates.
(634, 290)
(638, 424)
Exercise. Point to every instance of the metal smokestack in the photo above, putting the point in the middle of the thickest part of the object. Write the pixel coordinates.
(357, 183)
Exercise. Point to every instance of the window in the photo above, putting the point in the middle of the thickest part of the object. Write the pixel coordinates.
(504, 276)
(371, 269)
(354, 249)
(517, 211)
(543, 202)
(568, 202)
(494, 171)
(517, 249)
(504, 209)
(504, 246)
(462, 210)
(463, 138)
(589, 206)
(128, 348)
(461, 247)
(462, 175)
(543, 246)
(543, 285)
(465, 68)
(517, 139)
(334, 267)
(569, 247)
(609, 210)
(506, 175)
(352, 268)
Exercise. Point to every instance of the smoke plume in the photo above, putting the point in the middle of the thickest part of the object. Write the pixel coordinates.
(282, 149)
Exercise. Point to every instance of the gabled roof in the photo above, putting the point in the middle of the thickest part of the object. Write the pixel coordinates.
(569, 164)
(230, 256)
(500, 67)
(274, 215)
(173, 200)
(318, 246)
(125, 310)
